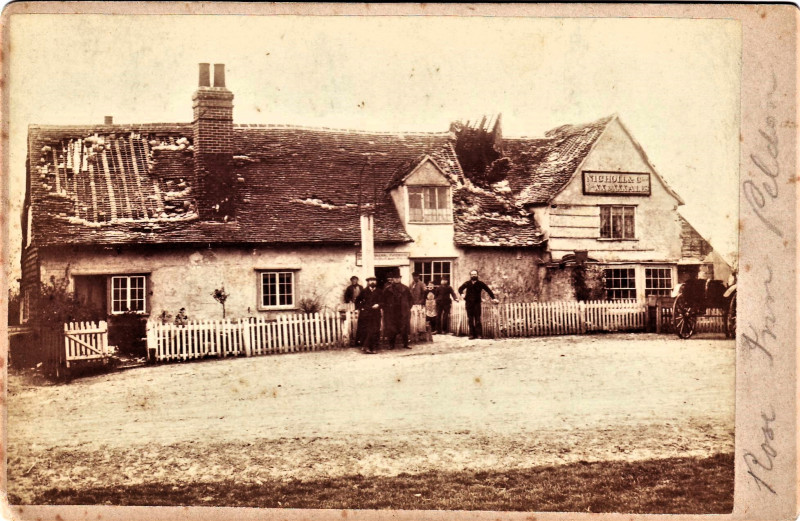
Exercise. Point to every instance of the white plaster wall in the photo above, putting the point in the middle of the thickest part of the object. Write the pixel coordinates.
(187, 277)
(657, 224)
(427, 174)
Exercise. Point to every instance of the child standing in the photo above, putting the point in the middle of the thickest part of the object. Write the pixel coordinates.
(430, 307)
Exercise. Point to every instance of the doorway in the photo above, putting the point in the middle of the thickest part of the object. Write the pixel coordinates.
(382, 274)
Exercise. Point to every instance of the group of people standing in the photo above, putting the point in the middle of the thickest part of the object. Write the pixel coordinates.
(394, 301)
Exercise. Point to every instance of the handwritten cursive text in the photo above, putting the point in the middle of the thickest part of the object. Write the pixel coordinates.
(768, 168)
(758, 467)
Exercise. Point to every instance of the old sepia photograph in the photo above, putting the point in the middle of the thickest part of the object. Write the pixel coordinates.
(373, 262)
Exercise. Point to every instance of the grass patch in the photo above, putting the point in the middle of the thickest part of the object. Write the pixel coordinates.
(673, 485)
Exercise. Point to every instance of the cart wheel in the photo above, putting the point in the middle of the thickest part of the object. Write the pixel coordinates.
(683, 318)
(730, 325)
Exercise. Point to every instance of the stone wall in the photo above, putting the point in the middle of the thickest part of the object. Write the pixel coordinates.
(512, 274)
(558, 283)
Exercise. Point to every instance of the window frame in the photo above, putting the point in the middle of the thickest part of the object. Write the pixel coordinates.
(426, 277)
(445, 215)
(623, 208)
(127, 289)
(659, 291)
(277, 272)
(631, 277)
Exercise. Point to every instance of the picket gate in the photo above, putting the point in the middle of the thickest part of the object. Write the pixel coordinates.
(85, 341)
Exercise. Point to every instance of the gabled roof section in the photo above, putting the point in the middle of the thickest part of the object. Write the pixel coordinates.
(409, 167)
(646, 159)
(693, 245)
(542, 167)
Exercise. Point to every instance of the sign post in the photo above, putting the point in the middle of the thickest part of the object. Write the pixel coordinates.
(367, 245)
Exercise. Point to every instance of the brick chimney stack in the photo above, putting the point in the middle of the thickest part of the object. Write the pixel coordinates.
(213, 113)
(213, 145)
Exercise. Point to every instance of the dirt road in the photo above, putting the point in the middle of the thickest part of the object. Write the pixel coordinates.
(454, 404)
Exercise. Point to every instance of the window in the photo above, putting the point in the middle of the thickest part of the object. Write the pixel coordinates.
(127, 294)
(433, 271)
(277, 289)
(429, 204)
(658, 281)
(617, 222)
(620, 283)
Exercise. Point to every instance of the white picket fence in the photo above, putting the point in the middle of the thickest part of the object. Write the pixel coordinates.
(253, 336)
(711, 321)
(312, 332)
(552, 318)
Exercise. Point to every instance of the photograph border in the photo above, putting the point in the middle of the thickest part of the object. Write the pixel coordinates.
(766, 443)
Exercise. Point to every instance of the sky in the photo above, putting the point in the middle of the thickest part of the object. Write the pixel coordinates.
(673, 82)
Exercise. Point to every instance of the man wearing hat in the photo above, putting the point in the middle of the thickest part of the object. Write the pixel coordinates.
(368, 304)
(418, 290)
(471, 290)
(352, 291)
(397, 302)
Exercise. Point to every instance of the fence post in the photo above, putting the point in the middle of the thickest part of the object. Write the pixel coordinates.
(151, 344)
(245, 329)
(218, 331)
(659, 313)
(67, 344)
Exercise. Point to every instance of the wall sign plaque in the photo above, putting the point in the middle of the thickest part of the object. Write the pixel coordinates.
(387, 258)
(616, 183)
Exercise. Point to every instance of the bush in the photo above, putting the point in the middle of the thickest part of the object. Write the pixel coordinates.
(53, 304)
(14, 302)
(582, 292)
(127, 331)
(310, 305)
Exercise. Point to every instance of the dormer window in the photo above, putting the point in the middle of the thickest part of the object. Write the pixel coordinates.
(429, 204)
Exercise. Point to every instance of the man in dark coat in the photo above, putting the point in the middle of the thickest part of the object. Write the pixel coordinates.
(352, 291)
(471, 290)
(397, 302)
(444, 301)
(368, 304)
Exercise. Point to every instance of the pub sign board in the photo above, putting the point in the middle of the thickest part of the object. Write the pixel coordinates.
(615, 183)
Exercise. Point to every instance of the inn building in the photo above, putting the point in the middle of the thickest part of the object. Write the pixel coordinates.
(153, 217)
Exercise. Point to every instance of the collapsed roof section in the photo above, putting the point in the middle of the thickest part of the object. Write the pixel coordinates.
(137, 184)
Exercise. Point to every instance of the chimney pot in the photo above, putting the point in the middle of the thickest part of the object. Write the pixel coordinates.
(205, 75)
(219, 74)
(109, 120)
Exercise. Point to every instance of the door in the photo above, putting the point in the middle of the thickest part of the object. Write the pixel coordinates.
(382, 274)
(90, 290)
